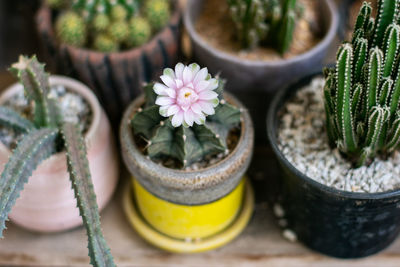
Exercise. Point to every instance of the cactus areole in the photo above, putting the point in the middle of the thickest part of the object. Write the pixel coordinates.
(362, 92)
(46, 135)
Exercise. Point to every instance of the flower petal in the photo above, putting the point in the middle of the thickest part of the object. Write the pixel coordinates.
(189, 117)
(202, 85)
(196, 108)
(163, 110)
(200, 119)
(171, 92)
(164, 100)
(194, 67)
(179, 70)
(179, 83)
(169, 72)
(213, 84)
(168, 81)
(177, 119)
(206, 107)
(160, 89)
(187, 75)
(200, 76)
(207, 95)
(172, 110)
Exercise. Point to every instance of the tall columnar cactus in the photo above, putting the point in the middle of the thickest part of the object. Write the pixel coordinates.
(46, 135)
(107, 25)
(186, 118)
(272, 21)
(362, 92)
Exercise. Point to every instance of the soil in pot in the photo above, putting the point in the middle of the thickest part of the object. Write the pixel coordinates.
(302, 138)
(74, 108)
(215, 26)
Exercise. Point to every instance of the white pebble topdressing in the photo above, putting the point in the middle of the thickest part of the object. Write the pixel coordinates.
(304, 142)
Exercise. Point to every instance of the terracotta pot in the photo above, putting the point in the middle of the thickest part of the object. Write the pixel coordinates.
(253, 81)
(189, 205)
(331, 221)
(116, 78)
(47, 203)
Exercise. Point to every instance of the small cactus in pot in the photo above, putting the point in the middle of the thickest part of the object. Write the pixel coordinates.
(362, 92)
(186, 117)
(265, 21)
(107, 26)
(43, 136)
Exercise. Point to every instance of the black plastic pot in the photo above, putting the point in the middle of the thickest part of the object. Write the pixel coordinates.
(334, 222)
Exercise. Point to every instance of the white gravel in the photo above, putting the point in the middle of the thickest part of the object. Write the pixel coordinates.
(303, 141)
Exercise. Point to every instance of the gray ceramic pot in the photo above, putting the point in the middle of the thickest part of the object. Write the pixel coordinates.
(248, 75)
(188, 187)
(252, 81)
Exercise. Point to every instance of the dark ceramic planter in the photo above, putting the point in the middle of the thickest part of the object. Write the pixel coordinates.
(334, 222)
(252, 81)
(116, 78)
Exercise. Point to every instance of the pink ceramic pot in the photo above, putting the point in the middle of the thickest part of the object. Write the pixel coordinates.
(47, 203)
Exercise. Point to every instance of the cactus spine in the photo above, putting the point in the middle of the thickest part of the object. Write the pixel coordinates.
(362, 92)
(40, 141)
(271, 21)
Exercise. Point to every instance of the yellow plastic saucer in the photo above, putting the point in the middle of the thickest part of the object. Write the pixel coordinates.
(189, 245)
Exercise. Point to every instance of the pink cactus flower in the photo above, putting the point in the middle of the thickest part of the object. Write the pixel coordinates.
(187, 95)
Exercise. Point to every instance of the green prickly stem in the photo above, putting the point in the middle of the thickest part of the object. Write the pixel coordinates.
(378, 116)
(139, 31)
(356, 99)
(394, 135)
(157, 13)
(286, 32)
(391, 46)
(71, 29)
(118, 12)
(343, 99)
(395, 96)
(360, 56)
(36, 85)
(36, 146)
(386, 15)
(358, 34)
(78, 167)
(363, 17)
(12, 119)
(385, 91)
(374, 76)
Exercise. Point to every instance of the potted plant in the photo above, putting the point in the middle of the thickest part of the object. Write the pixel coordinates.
(260, 45)
(340, 179)
(43, 130)
(187, 146)
(112, 46)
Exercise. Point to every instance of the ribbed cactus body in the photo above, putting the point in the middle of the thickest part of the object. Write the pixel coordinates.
(270, 21)
(186, 145)
(71, 29)
(157, 13)
(362, 92)
(139, 31)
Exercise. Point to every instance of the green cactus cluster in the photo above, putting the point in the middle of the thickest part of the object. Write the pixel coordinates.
(362, 92)
(265, 21)
(46, 135)
(186, 145)
(109, 25)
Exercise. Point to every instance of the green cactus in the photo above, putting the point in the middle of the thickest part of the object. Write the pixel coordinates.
(118, 31)
(101, 22)
(56, 4)
(118, 13)
(187, 145)
(46, 136)
(139, 31)
(271, 21)
(157, 13)
(105, 43)
(362, 92)
(71, 29)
